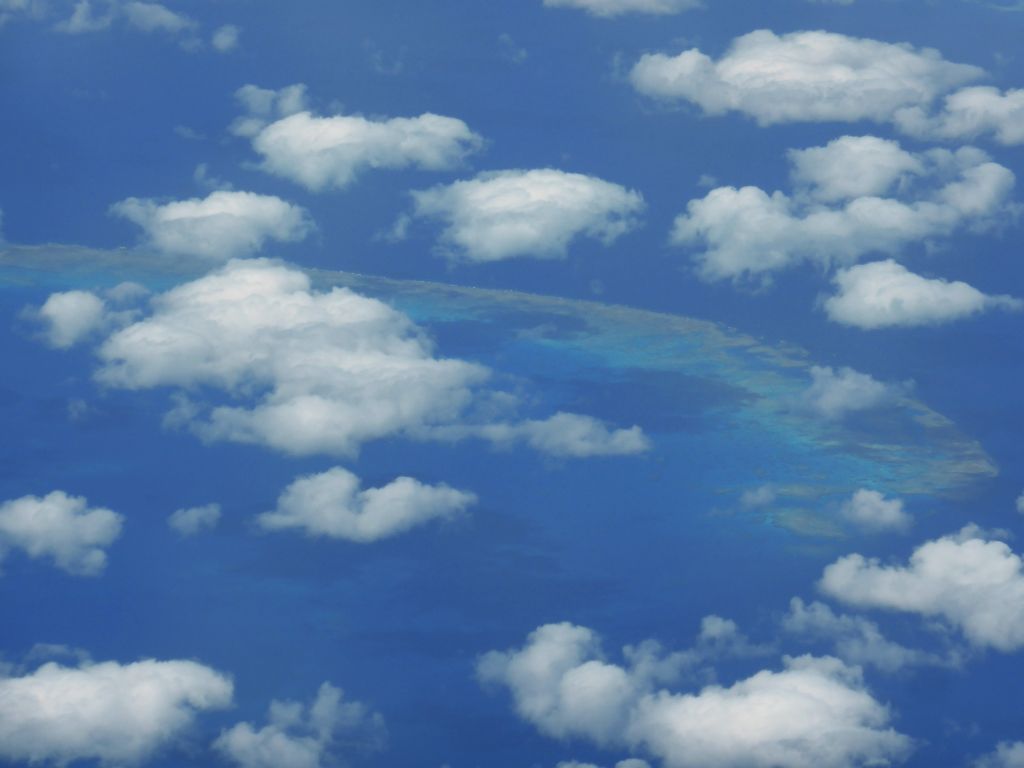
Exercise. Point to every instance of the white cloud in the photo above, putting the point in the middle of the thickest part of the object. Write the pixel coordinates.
(193, 520)
(13, 9)
(973, 583)
(565, 434)
(873, 512)
(222, 226)
(836, 392)
(884, 294)
(225, 38)
(299, 736)
(803, 76)
(857, 640)
(59, 527)
(610, 8)
(537, 213)
(84, 19)
(332, 504)
(1007, 755)
(118, 714)
(969, 113)
(1020, 503)
(154, 17)
(71, 316)
(815, 712)
(854, 197)
(142, 16)
(761, 496)
(325, 152)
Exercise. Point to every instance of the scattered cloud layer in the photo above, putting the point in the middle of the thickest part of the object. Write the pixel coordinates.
(856, 196)
(806, 76)
(116, 713)
(836, 392)
(884, 294)
(224, 225)
(301, 736)
(60, 528)
(331, 152)
(610, 8)
(537, 213)
(813, 712)
(332, 504)
(972, 582)
(871, 511)
(194, 520)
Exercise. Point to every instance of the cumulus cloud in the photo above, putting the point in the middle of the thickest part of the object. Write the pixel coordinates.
(814, 712)
(71, 316)
(884, 294)
(803, 76)
(331, 152)
(300, 736)
(537, 213)
(193, 520)
(305, 372)
(610, 8)
(972, 582)
(116, 713)
(856, 196)
(61, 528)
(1007, 755)
(332, 504)
(873, 512)
(222, 226)
(834, 393)
(857, 640)
(978, 111)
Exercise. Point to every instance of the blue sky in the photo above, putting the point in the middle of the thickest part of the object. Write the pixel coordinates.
(557, 383)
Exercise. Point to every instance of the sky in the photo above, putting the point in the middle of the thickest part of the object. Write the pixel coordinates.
(533, 384)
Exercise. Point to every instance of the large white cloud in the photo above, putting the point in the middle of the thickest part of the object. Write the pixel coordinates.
(300, 736)
(222, 226)
(536, 213)
(856, 196)
(609, 8)
(974, 583)
(308, 372)
(803, 76)
(969, 113)
(834, 393)
(324, 152)
(61, 528)
(884, 294)
(814, 713)
(117, 713)
(332, 504)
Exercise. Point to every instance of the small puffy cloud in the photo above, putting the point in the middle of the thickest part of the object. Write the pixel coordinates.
(973, 583)
(537, 213)
(853, 197)
(566, 435)
(873, 512)
(1007, 755)
(116, 713)
(610, 8)
(761, 496)
(834, 393)
(803, 77)
(857, 640)
(225, 38)
(884, 294)
(300, 736)
(154, 17)
(193, 520)
(969, 113)
(222, 226)
(815, 712)
(61, 528)
(330, 152)
(71, 316)
(332, 504)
